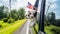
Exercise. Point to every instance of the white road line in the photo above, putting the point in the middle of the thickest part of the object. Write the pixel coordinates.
(27, 32)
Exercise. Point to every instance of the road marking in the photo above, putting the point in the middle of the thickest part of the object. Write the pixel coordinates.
(27, 32)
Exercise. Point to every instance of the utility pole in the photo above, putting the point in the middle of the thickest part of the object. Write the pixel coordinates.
(10, 8)
(41, 20)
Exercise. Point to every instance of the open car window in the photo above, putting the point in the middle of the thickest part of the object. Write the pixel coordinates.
(52, 17)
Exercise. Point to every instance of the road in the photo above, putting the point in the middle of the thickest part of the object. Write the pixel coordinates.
(24, 29)
(27, 28)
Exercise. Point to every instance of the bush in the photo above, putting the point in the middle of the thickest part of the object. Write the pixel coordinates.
(10, 20)
(15, 17)
(56, 31)
(20, 18)
(5, 19)
(0, 25)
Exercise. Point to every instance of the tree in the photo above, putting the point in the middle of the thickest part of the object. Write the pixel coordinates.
(45, 20)
(6, 12)
(21, 13)
(57, 22)
(51, 17)
(14, 14)
(3, 12)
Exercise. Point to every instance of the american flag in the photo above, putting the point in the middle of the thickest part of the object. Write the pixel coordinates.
(30, 6)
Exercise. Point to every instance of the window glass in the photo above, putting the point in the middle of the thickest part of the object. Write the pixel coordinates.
(52, 17)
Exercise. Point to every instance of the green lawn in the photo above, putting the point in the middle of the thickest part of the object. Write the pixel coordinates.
(48, 29)
(52, 29)
(10, 28)
(36, 27)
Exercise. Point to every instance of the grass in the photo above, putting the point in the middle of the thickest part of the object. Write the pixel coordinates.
(11, 28)
(52, 29)
(48, 29)
(3, 25)
(36, 27)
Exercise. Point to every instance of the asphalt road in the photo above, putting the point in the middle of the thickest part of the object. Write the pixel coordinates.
(27, 28)
(24, 29)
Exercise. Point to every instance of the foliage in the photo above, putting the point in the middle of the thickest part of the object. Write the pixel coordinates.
(14, 14)
(36, 27)
(11, 17)
(57, 22)
(46, 22)
(11, 28)
(5, 19)
(49, 29)
(2, 12)
(52, 29)
(21, 13)
(0, 26)
(4, 24)
(10, 20)
(51, 18)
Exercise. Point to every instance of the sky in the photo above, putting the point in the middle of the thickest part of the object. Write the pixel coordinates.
(16, 4)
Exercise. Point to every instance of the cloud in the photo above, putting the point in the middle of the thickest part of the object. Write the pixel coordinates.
(53, 1)
(53, 7)
(4, 2)
(52, 4)
(57, 17)
(20, 3)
